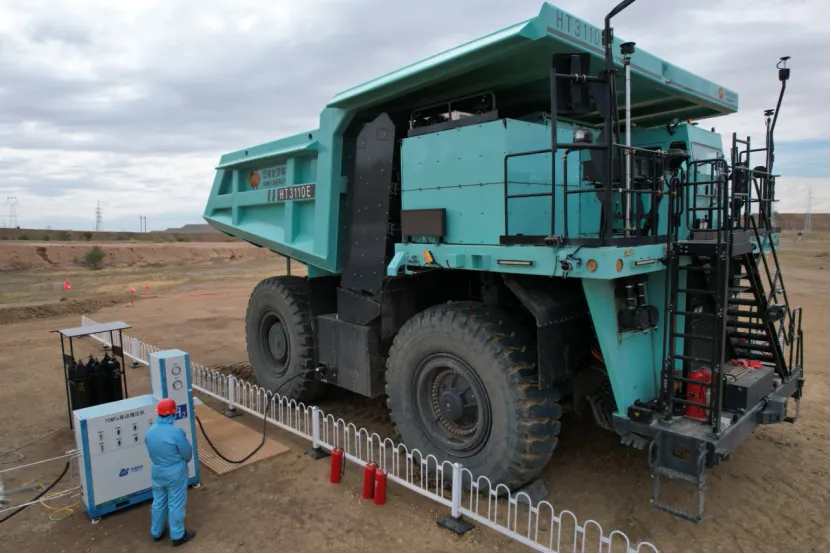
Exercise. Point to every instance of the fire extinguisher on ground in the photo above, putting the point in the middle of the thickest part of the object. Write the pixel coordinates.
(699, 393)
(380, 496)
(368, 491)
(336, 467)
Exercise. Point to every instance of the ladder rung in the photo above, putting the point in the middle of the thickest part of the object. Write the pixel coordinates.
(698, 314)
(760, 357)
(697, 291)
(742, 301)
(738, 290)
(749, 325)
(747, 347)
(740, 276)
(744, 313)
(708, 385)
(748, 336)
(691, 403)
(693, 337)
(694, 359)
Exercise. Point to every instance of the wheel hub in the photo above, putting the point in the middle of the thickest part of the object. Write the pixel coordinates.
(454, 404)
(277, 342)
(451, 405)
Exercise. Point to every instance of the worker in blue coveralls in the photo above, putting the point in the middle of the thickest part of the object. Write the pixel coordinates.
(170, 453)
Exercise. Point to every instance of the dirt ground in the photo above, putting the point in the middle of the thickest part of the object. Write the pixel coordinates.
(771, 496)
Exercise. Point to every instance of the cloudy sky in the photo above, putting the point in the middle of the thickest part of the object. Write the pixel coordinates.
(131, 103)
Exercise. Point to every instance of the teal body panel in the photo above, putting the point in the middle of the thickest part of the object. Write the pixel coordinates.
(305, 228)
(463, 171)
(633, 370)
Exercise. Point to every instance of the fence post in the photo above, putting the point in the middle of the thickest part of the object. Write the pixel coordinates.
(455, 522)
(316, 452)
(135, 351)
(231, 411)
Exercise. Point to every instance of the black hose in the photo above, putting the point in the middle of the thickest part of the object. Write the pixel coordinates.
(265, 421)
(44, 491)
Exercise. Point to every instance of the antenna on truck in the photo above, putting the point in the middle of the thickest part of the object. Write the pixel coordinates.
(608, 42)
(784, 75)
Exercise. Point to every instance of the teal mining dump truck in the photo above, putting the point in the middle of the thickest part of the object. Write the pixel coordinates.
(529, 223)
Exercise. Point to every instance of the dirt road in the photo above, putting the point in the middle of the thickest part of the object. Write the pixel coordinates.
(771, 496)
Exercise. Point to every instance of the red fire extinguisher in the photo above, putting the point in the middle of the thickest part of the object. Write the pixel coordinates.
(698, 393)
(369, 481)
(380, 486)
(336, 466)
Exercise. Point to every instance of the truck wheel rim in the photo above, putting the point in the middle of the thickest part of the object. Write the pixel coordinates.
(453, 409)
(275, 342)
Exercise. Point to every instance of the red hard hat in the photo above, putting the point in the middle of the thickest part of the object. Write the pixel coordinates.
(166, 407)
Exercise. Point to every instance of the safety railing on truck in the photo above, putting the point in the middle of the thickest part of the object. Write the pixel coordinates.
(639, 223)
(536, 525)
(705, 179)
(614, 185)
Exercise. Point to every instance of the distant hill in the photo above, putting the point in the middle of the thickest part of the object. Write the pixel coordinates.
(192, 228)
(796, 222)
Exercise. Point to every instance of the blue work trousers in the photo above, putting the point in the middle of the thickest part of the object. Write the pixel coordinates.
(169, 506)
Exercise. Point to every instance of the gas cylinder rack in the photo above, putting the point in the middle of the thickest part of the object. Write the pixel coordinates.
(68, 359)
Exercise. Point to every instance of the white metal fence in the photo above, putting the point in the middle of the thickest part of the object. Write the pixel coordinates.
(493, 505)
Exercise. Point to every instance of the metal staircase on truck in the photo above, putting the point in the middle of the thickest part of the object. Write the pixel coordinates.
(724, 316)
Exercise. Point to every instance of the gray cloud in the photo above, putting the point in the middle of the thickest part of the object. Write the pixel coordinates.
(176, 84)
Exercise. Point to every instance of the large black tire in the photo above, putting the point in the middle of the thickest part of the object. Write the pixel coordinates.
(280, 336)
(516, 424)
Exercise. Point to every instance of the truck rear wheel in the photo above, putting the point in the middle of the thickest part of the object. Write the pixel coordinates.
(461, 385)
(280, 335)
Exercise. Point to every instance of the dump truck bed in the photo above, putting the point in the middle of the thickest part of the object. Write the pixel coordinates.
(519, 56)
(286, 195)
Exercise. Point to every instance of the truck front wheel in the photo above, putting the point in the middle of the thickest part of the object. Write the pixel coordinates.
(461, 385)
(279, 334)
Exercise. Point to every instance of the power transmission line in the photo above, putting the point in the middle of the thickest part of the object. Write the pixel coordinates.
(99, 224)
(11, 210)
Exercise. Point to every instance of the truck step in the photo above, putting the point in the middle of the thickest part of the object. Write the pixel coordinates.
(742, 301)
(699, 482)
(749, 325)
(661, 471)
(694, 337)
(748, 336)
(759, 357)
(747, 347)
(744, 313)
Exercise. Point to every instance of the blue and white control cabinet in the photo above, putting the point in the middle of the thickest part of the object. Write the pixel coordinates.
(115, 467)
(170, 378)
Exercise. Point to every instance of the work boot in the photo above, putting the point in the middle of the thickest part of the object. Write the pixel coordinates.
(185, 538)
(160, 537)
